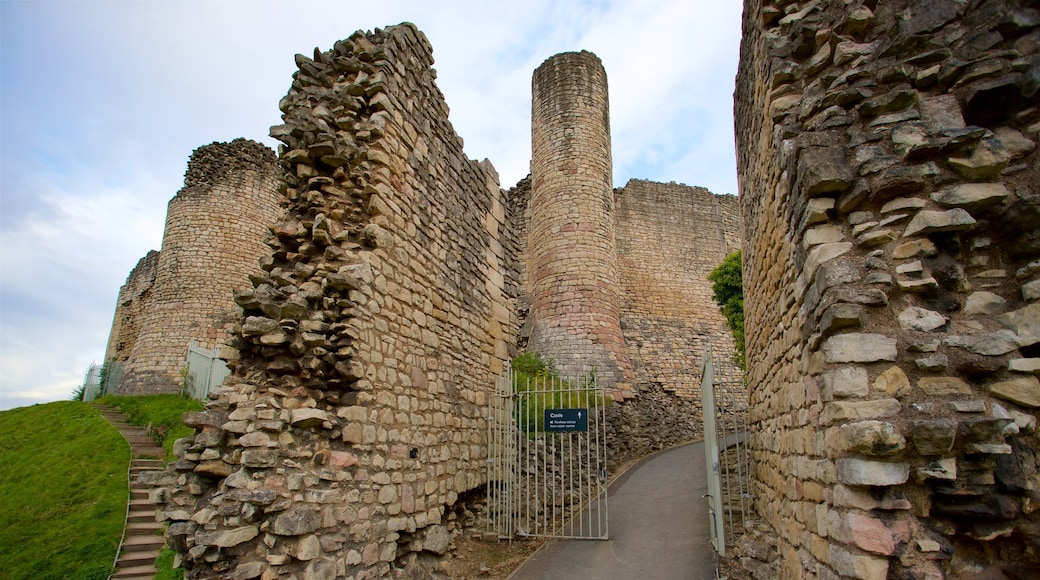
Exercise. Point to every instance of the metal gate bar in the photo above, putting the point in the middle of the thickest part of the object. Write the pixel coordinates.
(544, 480)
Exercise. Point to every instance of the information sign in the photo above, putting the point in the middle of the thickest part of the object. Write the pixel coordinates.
(563, 420)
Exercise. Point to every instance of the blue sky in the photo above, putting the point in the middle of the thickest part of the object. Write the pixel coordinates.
(101, 103)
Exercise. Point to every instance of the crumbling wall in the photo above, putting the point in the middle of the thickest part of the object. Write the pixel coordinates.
(355, 416)
(572, 255)
(213, 237)
(134, 298)
(888, 166)
(669, 238)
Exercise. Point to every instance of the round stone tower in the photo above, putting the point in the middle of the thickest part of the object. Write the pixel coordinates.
(573, 265)
(215, 227)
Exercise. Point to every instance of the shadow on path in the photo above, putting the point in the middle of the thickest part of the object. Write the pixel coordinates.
(658, 527)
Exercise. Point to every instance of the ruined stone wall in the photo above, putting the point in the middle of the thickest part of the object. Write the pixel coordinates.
(213, 237)
(134, 298)
(669, 238)
(888, 164)
(355, 416)
(572, 264)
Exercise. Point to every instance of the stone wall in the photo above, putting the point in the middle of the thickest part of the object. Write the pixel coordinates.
(669, 238)
(572, 256)
(214, 233)
(355, 416)
(888, 166)
(134, 298)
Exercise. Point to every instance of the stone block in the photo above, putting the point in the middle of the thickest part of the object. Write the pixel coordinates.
(943, 386)
(296, 522)
(921, 319)
(1024, 391)
(856, 471)
(984, 303)
(988, 344)
(941, 469)
(934, 363)
(933, 436)
(889, 499)
(859, 410)
(871, 438)
(227, 538)
(841, 315)
(893, 382)
(845, 382)
(921, 248)
(1025, 365)
(866, 532)
(859, 566)
(859, 347)
(969, 406)
(1025, 322)
(931, 222)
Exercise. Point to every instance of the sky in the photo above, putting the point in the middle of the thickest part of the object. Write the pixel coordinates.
(102, 103)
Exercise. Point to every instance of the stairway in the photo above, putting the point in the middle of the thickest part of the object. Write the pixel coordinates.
(142, 536)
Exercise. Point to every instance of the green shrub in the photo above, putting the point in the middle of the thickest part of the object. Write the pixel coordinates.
(540, 387)
(727, 285)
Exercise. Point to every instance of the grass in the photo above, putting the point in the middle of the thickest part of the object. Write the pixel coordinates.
(164, 569)
(160, 414)
(64, 489)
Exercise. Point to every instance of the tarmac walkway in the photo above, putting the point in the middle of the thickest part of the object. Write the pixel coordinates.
(658, 527)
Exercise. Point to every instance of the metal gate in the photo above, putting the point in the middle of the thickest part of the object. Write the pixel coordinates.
(547, 462)
(206, 369)
(725, 454)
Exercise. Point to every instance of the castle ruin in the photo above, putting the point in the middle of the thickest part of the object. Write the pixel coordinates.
(215, 227)
(888, 165)
(392, 296)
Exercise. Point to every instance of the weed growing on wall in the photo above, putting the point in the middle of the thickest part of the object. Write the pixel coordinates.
(727, 284)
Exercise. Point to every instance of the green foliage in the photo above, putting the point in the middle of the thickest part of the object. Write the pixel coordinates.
(78, 392)
(64, 491)
(159, 414)
(164, 569)
(727, 285)
(543, 388)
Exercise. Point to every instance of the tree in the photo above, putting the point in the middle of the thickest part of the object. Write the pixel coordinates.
(727, 284)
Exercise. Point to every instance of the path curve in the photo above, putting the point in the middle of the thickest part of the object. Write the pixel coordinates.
(658, 527)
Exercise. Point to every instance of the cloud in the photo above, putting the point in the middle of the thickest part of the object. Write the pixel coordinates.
(103, 102)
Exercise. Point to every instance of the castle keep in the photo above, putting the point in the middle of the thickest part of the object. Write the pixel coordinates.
(214, 233)
(890, 192)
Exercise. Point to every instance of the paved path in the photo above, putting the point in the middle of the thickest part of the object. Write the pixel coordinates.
(658, 527)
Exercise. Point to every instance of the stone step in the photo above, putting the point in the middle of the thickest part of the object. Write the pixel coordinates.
(141, 516)
(141, 505)
(143, 571)
(139, 543)
(139, 558)
(144, 528)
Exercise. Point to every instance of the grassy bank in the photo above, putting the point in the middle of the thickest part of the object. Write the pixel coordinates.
(159, 414)
(64, 491)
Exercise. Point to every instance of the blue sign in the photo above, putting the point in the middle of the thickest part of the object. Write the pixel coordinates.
(563, 420)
